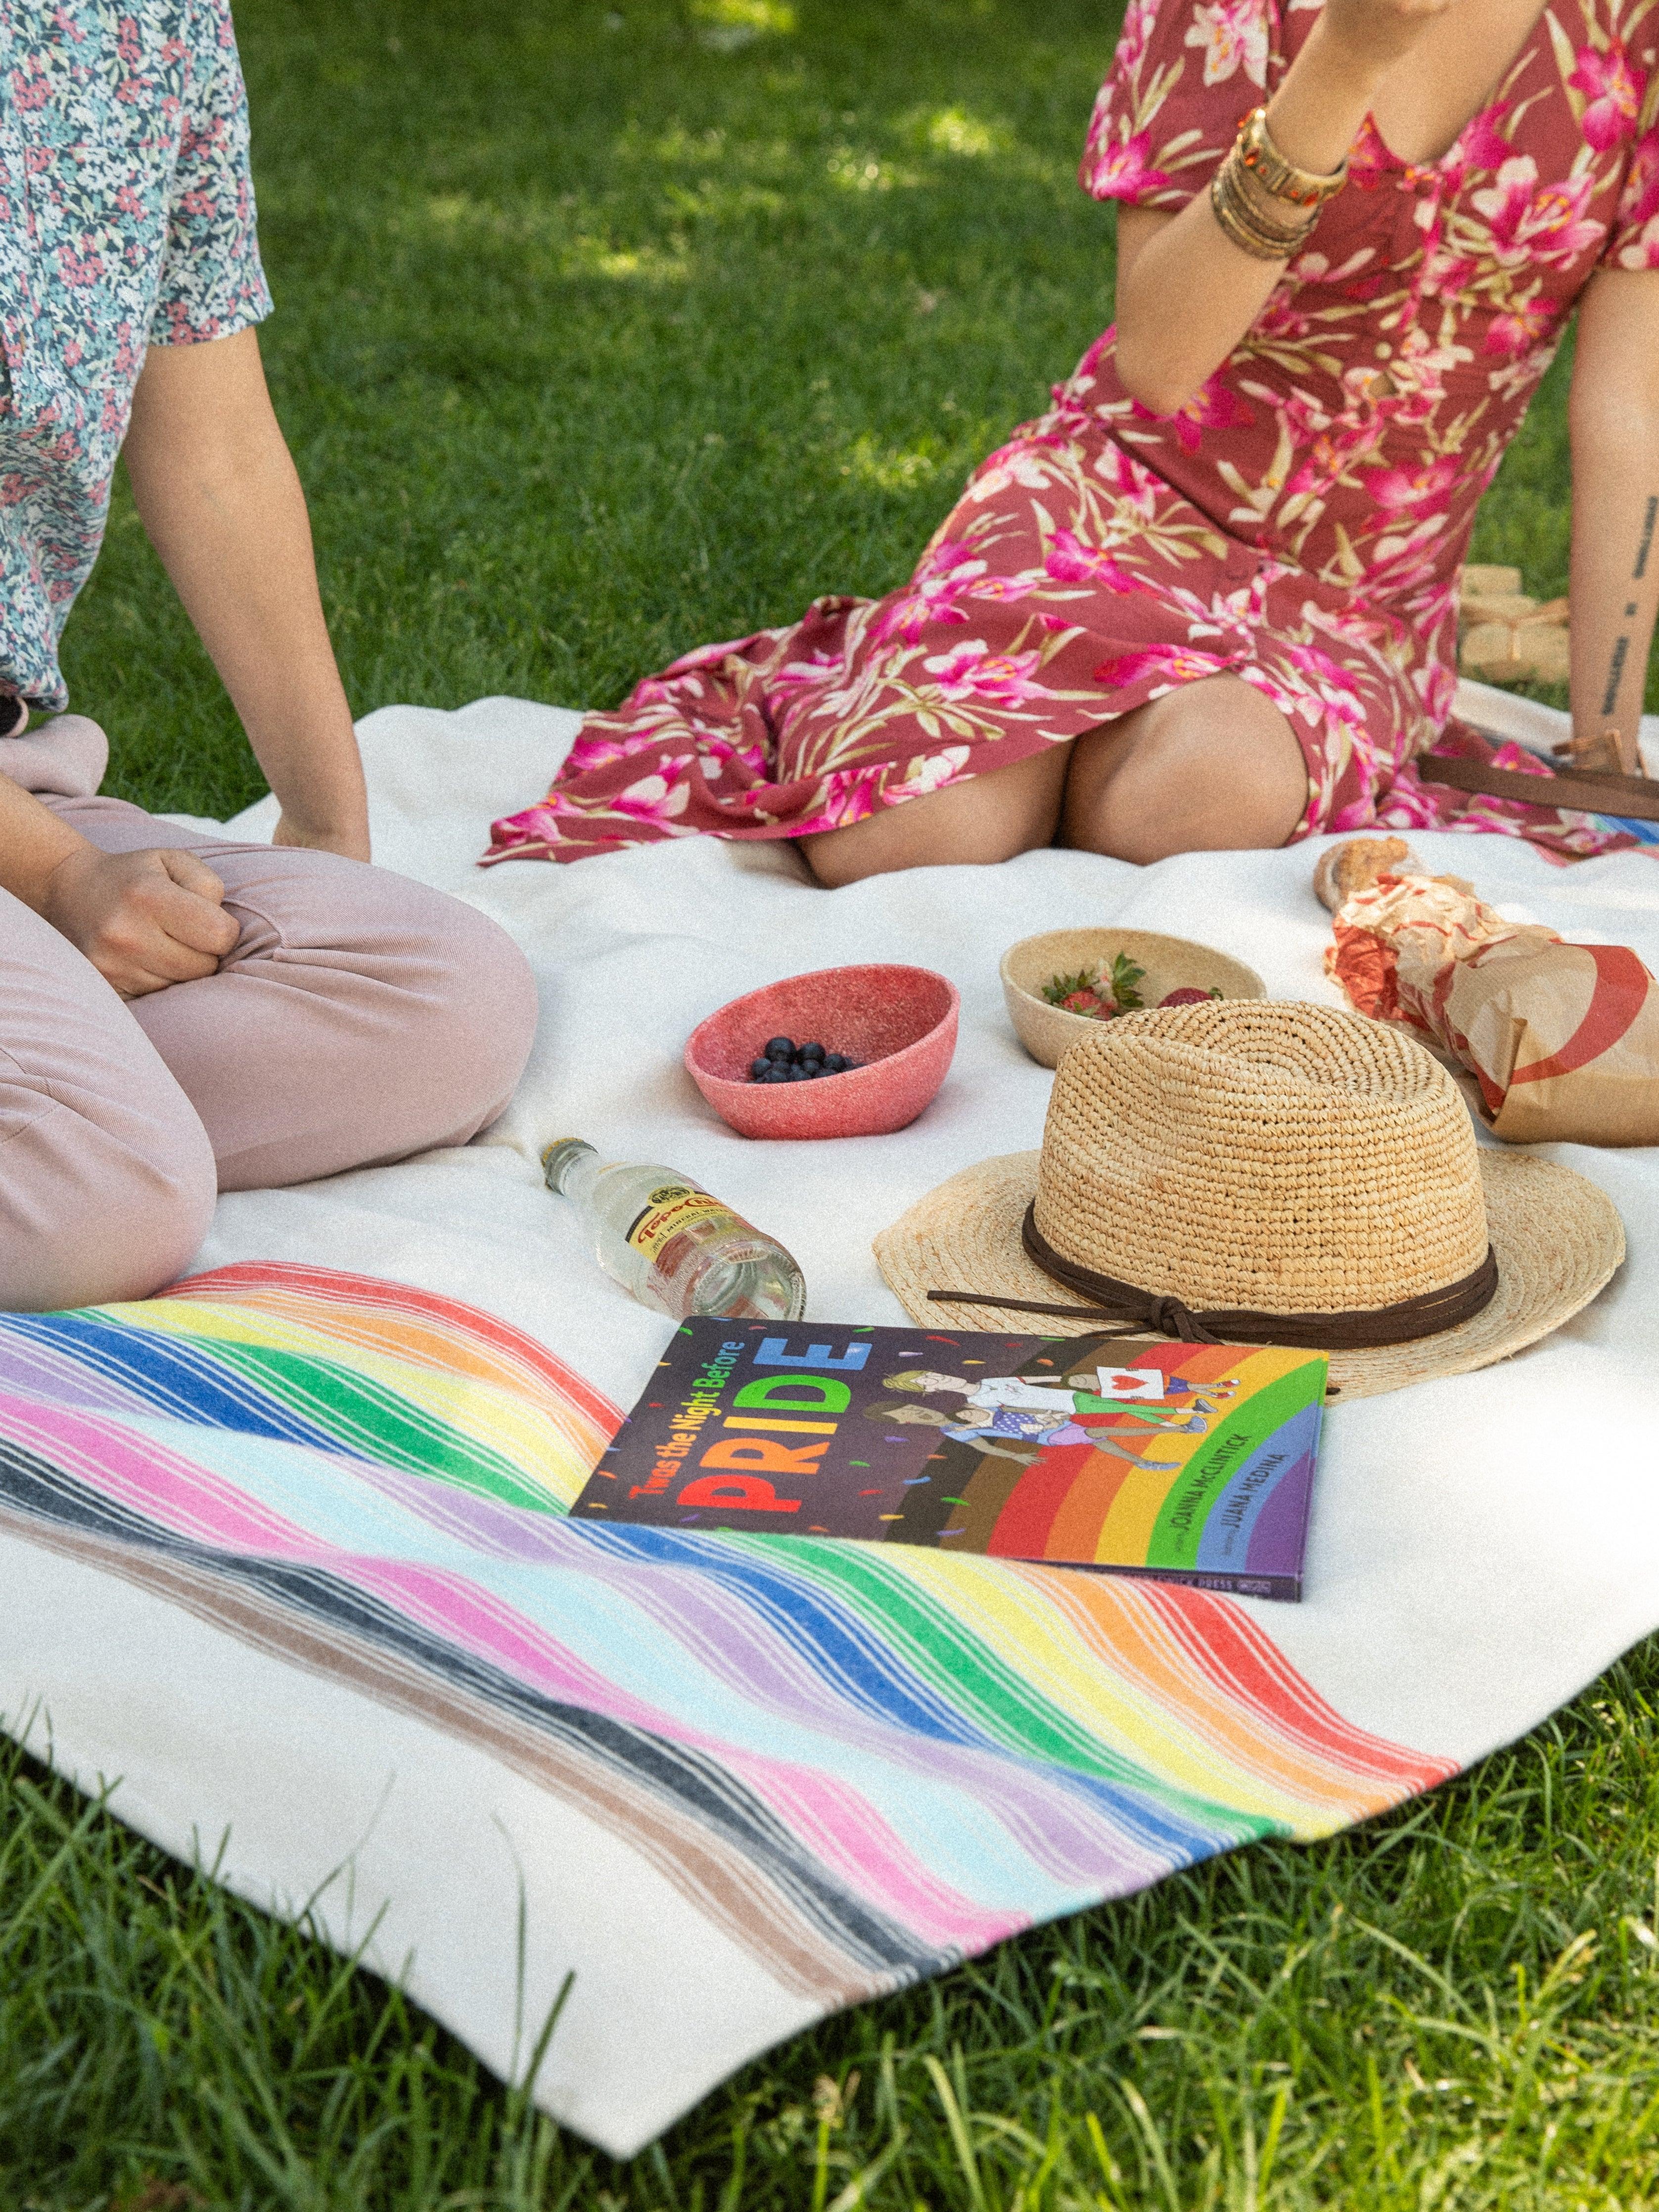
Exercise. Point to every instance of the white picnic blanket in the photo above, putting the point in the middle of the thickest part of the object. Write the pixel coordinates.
(1481, 1547)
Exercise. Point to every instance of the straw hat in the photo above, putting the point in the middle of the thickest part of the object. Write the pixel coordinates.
(1267, 1173)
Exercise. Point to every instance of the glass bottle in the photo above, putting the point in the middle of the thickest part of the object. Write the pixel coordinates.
(669, 1243)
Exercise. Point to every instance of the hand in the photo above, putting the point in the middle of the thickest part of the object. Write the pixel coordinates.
(1372, 35)
(351, 841)
(144, 920)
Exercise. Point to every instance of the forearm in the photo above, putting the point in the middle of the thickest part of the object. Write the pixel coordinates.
(1615, 593)
(218, 496)
(1164, 357)
(1614, 419)
(33, 843)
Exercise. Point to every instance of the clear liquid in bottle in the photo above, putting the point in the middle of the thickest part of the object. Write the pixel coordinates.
(669, 1243)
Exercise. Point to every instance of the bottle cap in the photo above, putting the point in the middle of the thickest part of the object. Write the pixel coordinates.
(557, 1157)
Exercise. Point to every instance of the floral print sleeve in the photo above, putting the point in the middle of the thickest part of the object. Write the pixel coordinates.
(126, 220)
(1615, 95)
(212, 283)
(1186, 74)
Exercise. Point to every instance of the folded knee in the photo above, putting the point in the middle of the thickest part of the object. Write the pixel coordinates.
(96, 1209)
(471, 1023)
(1191, 774)
(883, 844)
(1159, 827)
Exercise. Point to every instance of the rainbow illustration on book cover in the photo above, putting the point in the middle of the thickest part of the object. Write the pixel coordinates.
(1189, 1462)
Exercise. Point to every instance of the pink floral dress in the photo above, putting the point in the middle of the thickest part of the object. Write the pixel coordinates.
(1301, 523)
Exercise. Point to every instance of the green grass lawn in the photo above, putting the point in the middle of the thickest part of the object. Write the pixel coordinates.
(602, 333)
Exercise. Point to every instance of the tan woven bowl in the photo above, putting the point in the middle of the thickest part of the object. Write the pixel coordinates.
(1280, 1158)
(1172, 963)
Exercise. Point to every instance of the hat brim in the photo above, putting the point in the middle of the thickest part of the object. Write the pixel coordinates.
(1558, 1240)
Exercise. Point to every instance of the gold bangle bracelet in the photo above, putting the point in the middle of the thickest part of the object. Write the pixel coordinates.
(1253, 217)
(1304, 188)
(1247, 240)
(1267, 217)
(1268, 212)
(1238, 223)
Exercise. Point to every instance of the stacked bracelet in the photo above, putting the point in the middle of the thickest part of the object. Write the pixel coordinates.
(1263, 202)
(1250, 232)
(1304, 188)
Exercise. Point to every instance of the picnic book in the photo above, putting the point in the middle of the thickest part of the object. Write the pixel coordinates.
(1188, 1462)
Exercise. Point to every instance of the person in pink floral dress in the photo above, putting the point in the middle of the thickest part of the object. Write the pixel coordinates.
(1209, 599)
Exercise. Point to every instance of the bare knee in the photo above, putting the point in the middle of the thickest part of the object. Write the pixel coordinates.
(975, 823)
(1214, 768)
(881, 845)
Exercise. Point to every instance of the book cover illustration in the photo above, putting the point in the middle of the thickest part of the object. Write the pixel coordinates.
(1190, 1462)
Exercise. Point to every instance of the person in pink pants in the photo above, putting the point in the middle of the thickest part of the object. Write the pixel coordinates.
(179, 1014)
(349, 1017)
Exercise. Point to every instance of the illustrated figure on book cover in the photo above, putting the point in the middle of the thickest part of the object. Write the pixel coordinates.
(1191, 1461)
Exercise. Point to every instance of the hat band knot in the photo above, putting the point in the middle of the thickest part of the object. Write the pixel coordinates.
(1171, 1318)
(1134, 1308)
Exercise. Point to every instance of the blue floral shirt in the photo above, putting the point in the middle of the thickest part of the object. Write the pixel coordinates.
(126, 220)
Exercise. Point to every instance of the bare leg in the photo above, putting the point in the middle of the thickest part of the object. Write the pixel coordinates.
(1212, 768)
(990, 818)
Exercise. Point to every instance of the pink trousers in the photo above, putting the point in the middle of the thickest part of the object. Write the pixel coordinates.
(361, 1017)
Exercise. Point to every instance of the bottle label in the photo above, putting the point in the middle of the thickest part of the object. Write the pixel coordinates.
(671, 1207)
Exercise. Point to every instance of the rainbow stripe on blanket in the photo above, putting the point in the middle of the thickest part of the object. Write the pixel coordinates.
(860, 1763)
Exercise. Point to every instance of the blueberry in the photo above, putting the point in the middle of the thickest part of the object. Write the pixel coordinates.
(810, 1052)
(800, 1075)
(834, 1062)
(758, 1068)
(780, 1048)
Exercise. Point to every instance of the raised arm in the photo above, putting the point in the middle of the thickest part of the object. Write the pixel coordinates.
(1314, 118)
(218, 496)
(1613, 416)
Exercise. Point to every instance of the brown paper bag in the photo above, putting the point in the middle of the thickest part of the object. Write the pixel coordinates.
(1562, 1039)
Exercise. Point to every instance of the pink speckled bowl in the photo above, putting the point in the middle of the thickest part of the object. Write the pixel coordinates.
(900, 1021)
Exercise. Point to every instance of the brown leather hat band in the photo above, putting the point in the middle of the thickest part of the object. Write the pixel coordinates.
(1127, 1304)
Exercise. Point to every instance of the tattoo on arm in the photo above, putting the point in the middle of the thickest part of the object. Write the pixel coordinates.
(1614, 673)
(1621, 648)
(1648, 521)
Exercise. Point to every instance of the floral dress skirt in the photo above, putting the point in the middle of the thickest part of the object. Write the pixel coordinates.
(1300, 523)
